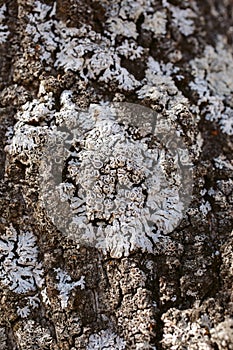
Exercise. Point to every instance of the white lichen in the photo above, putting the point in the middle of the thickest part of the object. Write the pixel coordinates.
(28, 304)
(160, 87)
(130, 50)
(222, 334)
(71, 46)
(226, 121)
(214, 69)
(65, 286)
(221, 162)
(20, 270)
(105, 339)
(27, 137)
(37, 110)
(180, 329)
(45, 297)
(213, 83)
(30, 334)
(117, 26)
(116, 185)
(3, 338)
(128, 9)
(156, 23)
(183, 19)
(4, 32)
(205, 207)
(23, 312)
(39, 28)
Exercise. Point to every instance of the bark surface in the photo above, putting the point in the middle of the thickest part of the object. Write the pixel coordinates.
(174, 57)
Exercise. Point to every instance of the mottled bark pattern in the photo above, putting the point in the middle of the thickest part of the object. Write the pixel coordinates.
(181, 65)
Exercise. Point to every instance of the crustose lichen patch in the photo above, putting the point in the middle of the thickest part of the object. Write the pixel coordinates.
(117, 177)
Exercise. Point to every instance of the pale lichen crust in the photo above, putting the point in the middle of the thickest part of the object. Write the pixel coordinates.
(4, 32)
(106, 339)
(20, 269)
(117, 177)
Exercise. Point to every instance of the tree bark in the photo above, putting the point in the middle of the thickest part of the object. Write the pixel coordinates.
(60, 59)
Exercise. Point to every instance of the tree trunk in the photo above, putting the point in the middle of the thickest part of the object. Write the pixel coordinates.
(116, 174)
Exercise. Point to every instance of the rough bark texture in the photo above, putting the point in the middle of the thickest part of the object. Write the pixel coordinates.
(175, 57)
